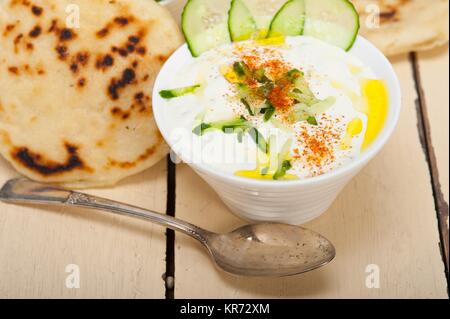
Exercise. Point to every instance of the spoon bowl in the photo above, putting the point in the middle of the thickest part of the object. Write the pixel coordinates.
(263, 249)
(270, 249)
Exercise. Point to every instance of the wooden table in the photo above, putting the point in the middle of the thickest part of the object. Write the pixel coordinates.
(392, 219)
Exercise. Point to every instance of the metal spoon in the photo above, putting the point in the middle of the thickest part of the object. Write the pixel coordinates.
(264, 249)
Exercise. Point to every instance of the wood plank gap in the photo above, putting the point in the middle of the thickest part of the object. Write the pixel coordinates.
(424, 128)
(170, 234)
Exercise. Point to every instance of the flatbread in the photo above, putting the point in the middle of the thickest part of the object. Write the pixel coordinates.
(75, 98)
(405, 25)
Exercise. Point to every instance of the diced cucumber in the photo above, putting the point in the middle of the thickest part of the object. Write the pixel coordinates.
(241, 24)
(259, 140)
(312, 120)
(322, 106)
(204, 24)
(290, 19)
(333, 21)
(228, 126)
(170, 94)
(249, 108)
(284, 164)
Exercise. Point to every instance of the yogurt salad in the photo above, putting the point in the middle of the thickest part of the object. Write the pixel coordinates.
(277, 108)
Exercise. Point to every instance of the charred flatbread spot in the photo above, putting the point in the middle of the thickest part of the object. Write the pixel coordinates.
(162, 58)
(35, 32)
(37, 11)
(8, 29)
(141, 50)
(66, 34)
(25, 3)
(128, 77)
(53, 26)
(134, 39)
(388, 15)
(104, 62)
(123, 21)
(30, 46)
(62, 52)
(118, 112)
(122, 52)
(135, 64)
(38, 163)
(144, 156)
(102, 33)
(74, 67)
(143, 109)
(81, 82)
(139, 96)
(17, 39)
(14, 70)
(130, 48)
(82, 58)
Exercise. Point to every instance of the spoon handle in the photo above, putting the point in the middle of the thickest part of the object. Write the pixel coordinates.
(25, 191)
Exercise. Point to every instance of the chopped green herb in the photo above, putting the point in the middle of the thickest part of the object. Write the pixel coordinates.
(243, 90)
(240, 69)
(281, 172)
(269, 112)
(265, 89)
(312, 120)
(265, 171)
(231, 126)
(294, 74)
(260, 76)
(201, 129)
(170, 94)
(248, 107)
(237, 126)
(228, 127)
(259, 139)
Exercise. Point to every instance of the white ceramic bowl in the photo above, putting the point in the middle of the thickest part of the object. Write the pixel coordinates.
(298, 201)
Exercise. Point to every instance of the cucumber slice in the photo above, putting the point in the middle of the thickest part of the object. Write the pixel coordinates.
(170, 94)
(263, 12)
(204, 24)
(333, 21)
(289, 20)
(241, 24)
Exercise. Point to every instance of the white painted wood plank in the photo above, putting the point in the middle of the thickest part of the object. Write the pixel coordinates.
(118, 257)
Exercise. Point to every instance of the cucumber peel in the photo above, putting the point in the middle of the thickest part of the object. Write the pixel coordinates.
(173, 93)
(289, 20)
(204, 25)
(241, 24)
(333, 21)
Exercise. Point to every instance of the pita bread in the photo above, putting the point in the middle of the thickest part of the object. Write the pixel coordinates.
(75, 103)
(405, 25)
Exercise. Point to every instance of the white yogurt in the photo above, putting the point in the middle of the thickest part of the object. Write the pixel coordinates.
(330, 72)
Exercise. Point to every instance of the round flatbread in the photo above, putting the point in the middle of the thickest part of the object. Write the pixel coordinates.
(401, 26)
(76, 80)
